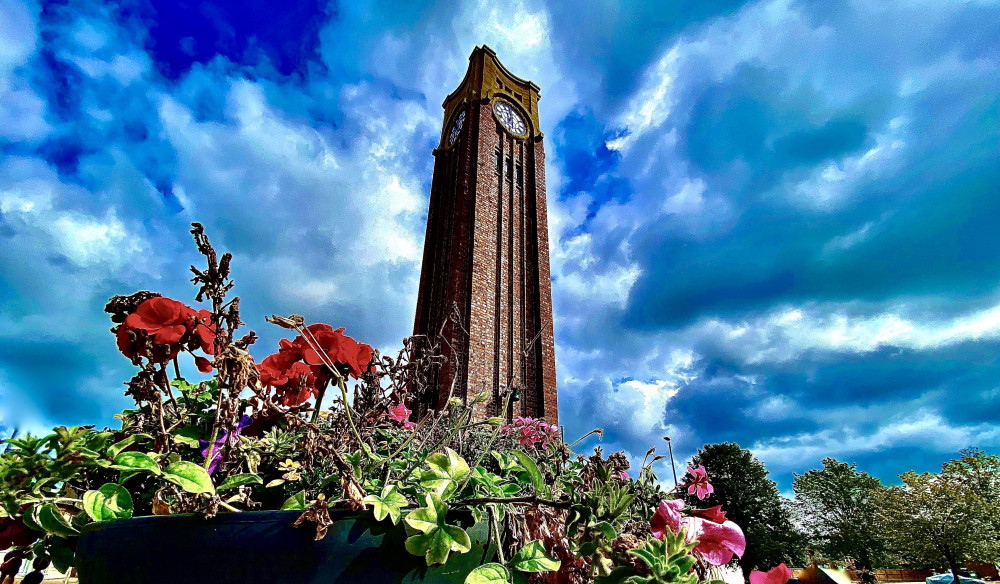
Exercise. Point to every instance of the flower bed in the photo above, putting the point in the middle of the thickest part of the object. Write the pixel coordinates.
(287, 433)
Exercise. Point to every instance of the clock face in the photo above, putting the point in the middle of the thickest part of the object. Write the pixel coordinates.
(510, 119)
(456, 127)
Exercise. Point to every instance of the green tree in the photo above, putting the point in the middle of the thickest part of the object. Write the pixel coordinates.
(838, 507)
(752, 501)
(946, 518)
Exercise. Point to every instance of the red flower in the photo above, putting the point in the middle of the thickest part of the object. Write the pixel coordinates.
(700, 483)
(13, 532)
(779, 574)
(715, 514)
(125, 342)
(205, 331)
(336, 347)
(204, 365)
(164, 319)
(299, 385)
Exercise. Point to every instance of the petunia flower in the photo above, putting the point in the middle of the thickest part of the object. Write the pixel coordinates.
(717, 542)
(700, 484)
(667, 516)
(779, 574)
(221, 442)
(13, 532)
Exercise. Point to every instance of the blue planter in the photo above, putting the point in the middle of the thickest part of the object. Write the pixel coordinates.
(261, 547)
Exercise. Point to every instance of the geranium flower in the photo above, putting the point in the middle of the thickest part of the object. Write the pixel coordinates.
(163, 319)
(714, 514)
(203, 364)
(530, 432)
(205, 331)
(220, 443)
(400, 413)
(779, 574)
(337, 347)
(700, 484)
(299, 385)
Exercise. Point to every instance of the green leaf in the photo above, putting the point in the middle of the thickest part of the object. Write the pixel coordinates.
(447, 470)
(296, 502)
(188, 435)
(436, 539)
(63, 557)
(617, 576)
(388, 503)
(117, 447)
(109, 502)
(533, 472)
(127, 474)
(238, 481)
(51, 520)
(488, 574)
(136, 461)
(606, 528)
(189, 476)
(534, 558)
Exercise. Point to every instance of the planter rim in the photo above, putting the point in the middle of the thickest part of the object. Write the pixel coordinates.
(276, 516)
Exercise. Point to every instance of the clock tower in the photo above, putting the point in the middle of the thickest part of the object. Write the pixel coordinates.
(485, 284)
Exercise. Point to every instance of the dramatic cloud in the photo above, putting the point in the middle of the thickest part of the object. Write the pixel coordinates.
(772, 222)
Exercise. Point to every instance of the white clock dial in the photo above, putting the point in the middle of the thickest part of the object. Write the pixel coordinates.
(456, 127)
(509, 118)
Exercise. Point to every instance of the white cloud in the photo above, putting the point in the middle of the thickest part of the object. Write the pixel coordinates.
(32, 200)
(918, 429)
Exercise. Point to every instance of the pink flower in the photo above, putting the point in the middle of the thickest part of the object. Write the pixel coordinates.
(715, 514)
(621, 476)
(667, 516)
(531, 432)
(780, 574)
(400, 413)
(700, 483)
(717, 542)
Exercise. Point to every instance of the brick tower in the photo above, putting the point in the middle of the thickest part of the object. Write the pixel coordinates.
(486, 252)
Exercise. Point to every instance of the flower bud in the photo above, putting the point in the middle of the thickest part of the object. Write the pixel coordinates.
(495, 421)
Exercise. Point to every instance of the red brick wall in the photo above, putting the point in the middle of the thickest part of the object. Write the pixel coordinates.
(486, 251)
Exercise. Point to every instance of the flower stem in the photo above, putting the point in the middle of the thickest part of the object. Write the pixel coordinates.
(319, 403)
(489, 445)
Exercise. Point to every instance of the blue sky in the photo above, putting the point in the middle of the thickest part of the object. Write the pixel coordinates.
(772, 222)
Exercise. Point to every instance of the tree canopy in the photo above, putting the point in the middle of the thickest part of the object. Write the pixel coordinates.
(946, 518)
(752, 501)
(838, 505)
